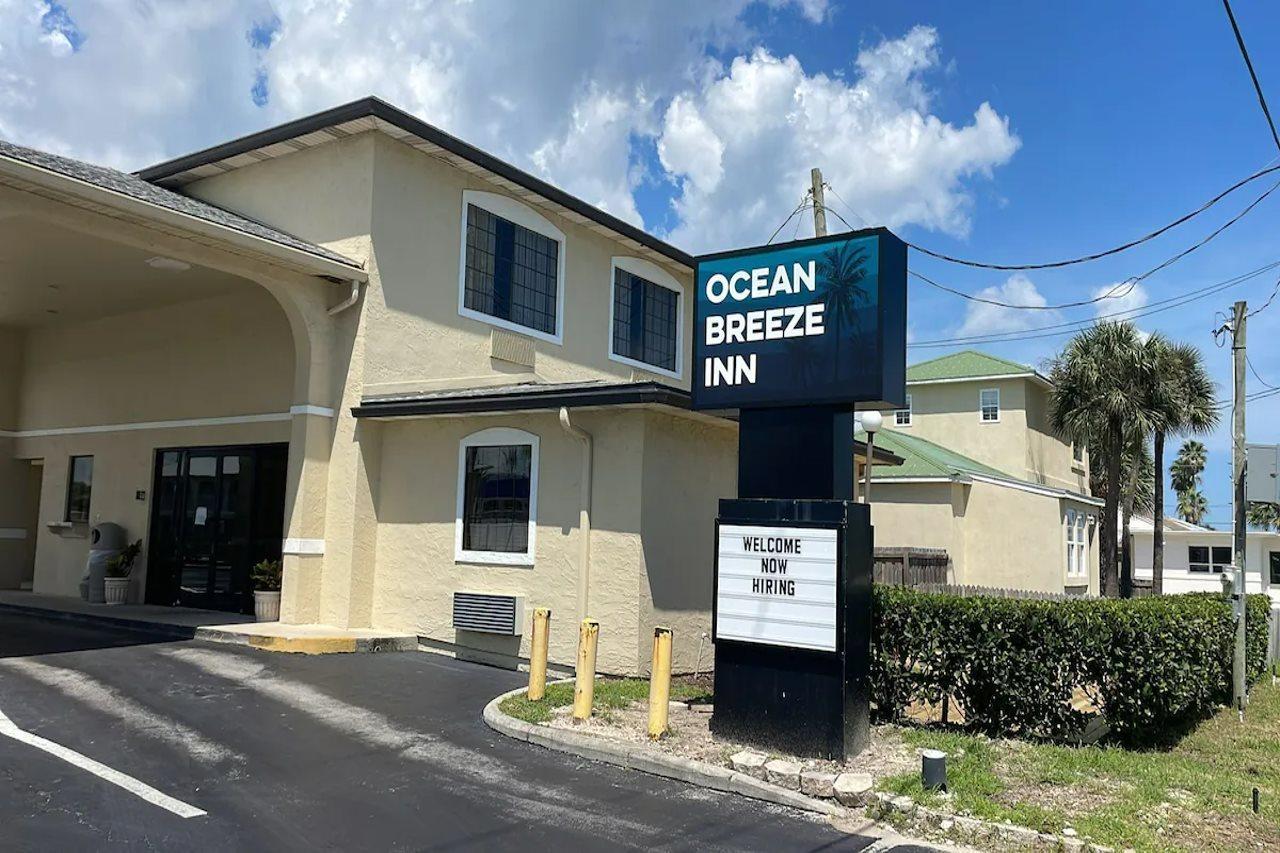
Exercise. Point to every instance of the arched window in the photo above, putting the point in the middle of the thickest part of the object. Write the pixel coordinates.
(647, 317)
(497, 515)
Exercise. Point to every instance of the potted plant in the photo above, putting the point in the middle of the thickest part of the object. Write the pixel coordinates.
(266, 590)
(115, 585)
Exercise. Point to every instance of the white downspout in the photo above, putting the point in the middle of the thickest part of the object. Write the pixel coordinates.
(584, 511)
(351, 299)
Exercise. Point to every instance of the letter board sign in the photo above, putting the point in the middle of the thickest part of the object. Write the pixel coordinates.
(777, 585)
(813, 322)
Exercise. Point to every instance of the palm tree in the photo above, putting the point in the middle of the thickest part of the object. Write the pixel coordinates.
(842, 271)
(1181, 397)
(1266, 516)
(1099, 399)
(1137, 494)
(1192, 506)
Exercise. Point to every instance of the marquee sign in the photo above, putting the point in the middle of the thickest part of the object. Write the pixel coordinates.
(814, 322)
(777, 585)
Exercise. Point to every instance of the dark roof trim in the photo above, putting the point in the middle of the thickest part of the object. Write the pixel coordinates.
(379, 108)
(526, 398)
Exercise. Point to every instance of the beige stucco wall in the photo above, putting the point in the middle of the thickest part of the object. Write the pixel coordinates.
(688, 466)
(972, 522)
(1022, 443)
(14, 515)
(226, 356)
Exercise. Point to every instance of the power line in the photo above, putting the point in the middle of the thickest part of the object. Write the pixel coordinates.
(1258, 376)
(1253, 75)
(1266, 304)
(1071, 326)
(1097, 255)
(804, 203)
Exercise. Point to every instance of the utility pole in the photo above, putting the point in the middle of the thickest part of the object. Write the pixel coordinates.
(819, 204)
(1238, 473)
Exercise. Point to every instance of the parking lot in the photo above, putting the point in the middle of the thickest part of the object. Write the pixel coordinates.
(109, 739)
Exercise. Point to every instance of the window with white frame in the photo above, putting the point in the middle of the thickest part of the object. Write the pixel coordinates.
(512, 266)
(497, 497)
(1208, 559)
(989, 404)
(647, 317)
(902, 417)
(1077, 544)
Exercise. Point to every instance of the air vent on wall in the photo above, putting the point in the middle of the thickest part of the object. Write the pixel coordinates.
(515, 349)
(488, 613)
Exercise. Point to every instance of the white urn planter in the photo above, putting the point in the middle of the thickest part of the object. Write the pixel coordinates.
(115, 590)
(266, 605)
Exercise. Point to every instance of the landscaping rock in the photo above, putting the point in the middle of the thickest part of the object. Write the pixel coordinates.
(785, 774)
(851, 789)
(1017, 835)
(749, 762)
(702, 708)
(815, 783)
(903, 805)
(1072, 845)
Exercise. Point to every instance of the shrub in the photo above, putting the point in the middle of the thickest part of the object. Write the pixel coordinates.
(121, 565)
(1152, 665)
(266, 575)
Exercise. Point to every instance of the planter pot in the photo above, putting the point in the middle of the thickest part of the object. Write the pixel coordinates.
(266, 605)
(115, 590)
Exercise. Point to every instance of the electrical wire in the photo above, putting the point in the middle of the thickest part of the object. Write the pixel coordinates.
(1253, 75)
(1258, 376)
(942, 256)
(799, 207)
(1266, 304)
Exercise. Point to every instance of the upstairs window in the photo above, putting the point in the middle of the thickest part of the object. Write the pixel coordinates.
(79, 488)
(512, 266)
(646, 317)
(902, 417)
(989, 405)
(1077, 452)
(1206, 559)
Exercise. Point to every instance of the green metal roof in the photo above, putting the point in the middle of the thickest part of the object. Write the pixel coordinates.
(963, 365)
(922, 458)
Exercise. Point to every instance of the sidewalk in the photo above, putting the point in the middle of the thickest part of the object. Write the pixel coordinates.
(211, 625)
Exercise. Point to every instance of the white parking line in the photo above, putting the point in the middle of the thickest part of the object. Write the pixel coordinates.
(106, 700)
(102, 771)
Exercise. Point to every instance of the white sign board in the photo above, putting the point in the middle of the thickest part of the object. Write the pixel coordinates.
(777, 585)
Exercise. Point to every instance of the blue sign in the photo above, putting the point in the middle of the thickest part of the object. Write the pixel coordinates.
(814, 322)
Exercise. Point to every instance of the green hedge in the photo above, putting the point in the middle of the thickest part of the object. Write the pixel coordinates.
(1152, 664)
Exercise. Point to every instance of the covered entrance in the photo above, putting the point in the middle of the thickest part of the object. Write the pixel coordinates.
(216, 511)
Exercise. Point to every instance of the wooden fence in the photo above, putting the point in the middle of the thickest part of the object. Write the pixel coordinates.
(911, 566)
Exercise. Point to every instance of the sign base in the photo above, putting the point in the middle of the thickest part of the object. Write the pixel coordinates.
(801, 701)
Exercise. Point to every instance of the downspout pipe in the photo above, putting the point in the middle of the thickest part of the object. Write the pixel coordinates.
(351, 299)
(584, 511)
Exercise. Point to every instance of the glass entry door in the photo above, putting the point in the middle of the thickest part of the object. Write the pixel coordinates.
(215, 512)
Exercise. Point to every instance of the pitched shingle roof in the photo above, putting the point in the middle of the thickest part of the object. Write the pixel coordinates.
(136, 188)
(964, 365)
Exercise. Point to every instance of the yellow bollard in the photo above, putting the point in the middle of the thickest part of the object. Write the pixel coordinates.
(660, 683)
(584, 688)
(538, 654)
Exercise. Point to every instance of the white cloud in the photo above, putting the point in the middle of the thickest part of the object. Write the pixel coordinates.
(982, 318)
(577, 93)
(1120, 297)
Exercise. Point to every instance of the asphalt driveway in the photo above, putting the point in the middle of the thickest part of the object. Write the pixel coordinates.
(112, 741)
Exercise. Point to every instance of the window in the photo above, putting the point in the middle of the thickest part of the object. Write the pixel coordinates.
(497, 497)
(902, 417)
(989, 404)
(512, 266)
(1273, 560)
(1077, 452)
(79, 488)
(1077, 544)
(647, 317)
(1203, 558)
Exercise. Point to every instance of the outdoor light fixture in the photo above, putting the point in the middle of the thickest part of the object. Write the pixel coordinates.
(171, 264)
(933, 770)
(871, 422)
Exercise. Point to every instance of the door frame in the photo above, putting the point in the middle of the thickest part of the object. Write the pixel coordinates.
(157, 586)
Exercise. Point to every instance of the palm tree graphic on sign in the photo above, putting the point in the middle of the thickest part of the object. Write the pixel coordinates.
(842, 270)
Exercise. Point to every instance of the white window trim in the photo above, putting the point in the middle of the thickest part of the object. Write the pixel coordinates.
(908, 410)
(996, 419)
(494, 437)
(657, 275)
(526, 217)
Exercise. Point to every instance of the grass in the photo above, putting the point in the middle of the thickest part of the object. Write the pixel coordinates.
(610, 694)
(1196, 795)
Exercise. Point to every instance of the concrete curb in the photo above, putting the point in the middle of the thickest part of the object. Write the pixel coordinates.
(169, 631)
(648, 761)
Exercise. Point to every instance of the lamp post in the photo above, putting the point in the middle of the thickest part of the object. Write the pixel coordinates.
(871, 422)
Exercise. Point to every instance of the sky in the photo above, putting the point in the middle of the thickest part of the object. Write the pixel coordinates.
(1007, 132)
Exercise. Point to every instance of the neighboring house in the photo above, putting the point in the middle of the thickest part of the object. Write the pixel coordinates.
(985, 477)
(1197, 558)
(440, 388)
